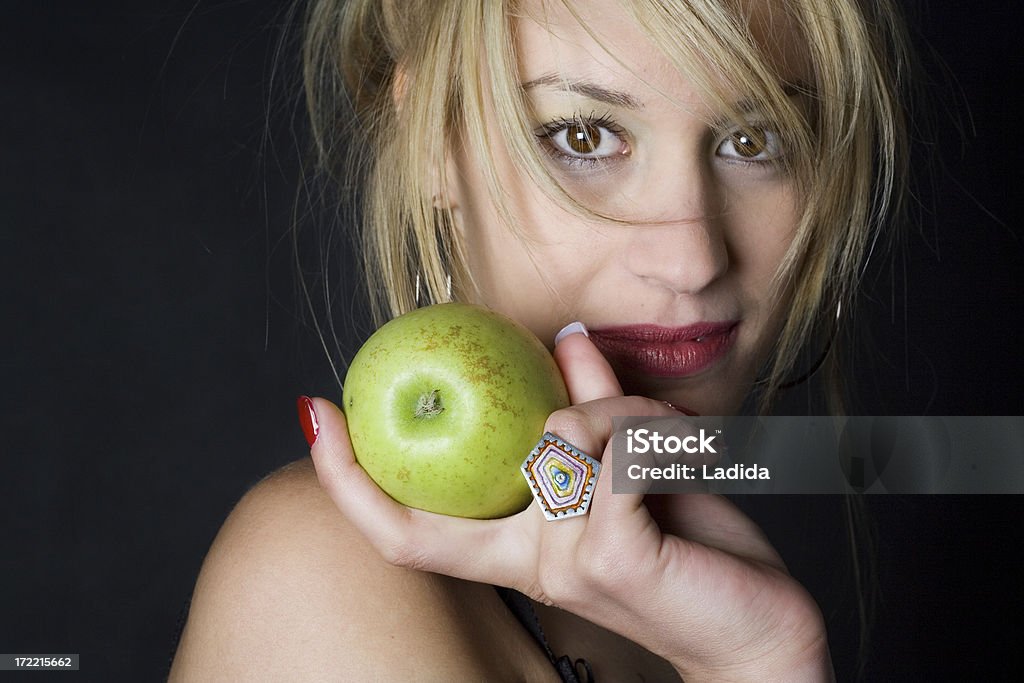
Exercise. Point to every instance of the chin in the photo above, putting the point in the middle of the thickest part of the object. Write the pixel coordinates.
(709, 394)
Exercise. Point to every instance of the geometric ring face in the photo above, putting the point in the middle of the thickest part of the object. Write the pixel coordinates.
(561, 477)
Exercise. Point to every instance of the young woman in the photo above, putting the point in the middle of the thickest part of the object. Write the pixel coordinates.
(678, 196)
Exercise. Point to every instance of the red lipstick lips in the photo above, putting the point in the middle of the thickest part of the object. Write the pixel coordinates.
(666, 351)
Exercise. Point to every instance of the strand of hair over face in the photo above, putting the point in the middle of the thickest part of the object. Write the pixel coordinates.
(423, 75)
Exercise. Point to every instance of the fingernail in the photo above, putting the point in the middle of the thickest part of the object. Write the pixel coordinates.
(307, 418)
(572, 328)
(681, 409)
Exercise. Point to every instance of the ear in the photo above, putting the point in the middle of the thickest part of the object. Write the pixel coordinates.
(399, 85)
(444, 180)
(445, 184)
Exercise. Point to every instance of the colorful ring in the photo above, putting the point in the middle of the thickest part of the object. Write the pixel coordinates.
(561, 477)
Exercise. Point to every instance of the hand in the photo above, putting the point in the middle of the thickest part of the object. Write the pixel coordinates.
(688, 576)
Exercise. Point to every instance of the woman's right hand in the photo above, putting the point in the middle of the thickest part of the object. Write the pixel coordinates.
(688, 576)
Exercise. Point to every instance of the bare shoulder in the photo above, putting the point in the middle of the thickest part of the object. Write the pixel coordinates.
(290, 591)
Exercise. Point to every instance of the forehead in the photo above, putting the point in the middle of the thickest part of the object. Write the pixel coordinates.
(601, 37)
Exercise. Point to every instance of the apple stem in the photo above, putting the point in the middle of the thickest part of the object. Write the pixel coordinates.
(429, 405)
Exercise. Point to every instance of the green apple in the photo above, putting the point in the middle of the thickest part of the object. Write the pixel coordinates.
(443, 405)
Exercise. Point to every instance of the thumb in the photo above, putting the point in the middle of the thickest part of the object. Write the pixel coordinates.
(587, 374)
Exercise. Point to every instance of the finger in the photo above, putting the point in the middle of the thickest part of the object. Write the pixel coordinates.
(589, 426)
(642, 467)
(355, 494)
(494, 551)
(588, 376)
(608, 508)
(714, 521)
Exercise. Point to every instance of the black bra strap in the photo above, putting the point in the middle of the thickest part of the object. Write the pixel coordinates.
(522, 608)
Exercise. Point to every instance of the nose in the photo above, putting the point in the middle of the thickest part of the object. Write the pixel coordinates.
(685, 253)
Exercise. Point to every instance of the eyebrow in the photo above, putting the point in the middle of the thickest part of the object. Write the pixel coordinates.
(588, 89)
(619, 98)
(789, 89)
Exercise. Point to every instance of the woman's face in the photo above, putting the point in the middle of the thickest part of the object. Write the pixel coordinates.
(679, 300)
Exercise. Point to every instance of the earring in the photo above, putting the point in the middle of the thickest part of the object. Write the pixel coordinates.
(821, 359)
(442, 227)
(448, 278)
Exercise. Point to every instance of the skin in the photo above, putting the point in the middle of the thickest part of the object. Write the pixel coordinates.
(709, 230)
(646, 589)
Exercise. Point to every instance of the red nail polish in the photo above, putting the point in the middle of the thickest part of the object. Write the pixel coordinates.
(684, 411)
(307, 418)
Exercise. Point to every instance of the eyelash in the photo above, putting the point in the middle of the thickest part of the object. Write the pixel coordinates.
(772, 138)
(549, 130)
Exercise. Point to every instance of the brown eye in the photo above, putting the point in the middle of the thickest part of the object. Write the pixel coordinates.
(584, 141)
(583, 137)
(749, 143)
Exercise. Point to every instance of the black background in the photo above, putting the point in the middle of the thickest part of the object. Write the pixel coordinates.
(154, 342)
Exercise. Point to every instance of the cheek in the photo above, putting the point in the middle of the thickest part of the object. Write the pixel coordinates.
(534, 273)
(761, 236)
(763, 228)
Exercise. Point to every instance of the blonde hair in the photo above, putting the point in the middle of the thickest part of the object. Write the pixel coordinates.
(392, 86)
